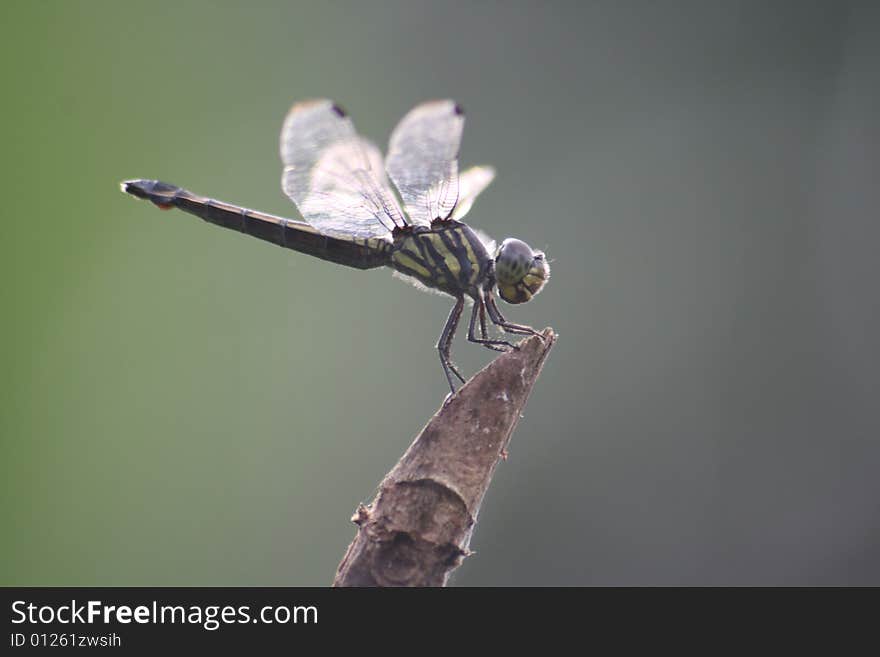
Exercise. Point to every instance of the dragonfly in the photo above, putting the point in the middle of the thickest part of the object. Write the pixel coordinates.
(342, 187)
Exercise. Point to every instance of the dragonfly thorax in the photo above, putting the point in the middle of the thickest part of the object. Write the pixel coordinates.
(448, 257)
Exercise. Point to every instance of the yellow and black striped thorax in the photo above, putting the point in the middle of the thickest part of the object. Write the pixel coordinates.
(448, 257)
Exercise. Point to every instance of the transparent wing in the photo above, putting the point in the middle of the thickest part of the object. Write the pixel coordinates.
(423, 160)
(334, 175)
(470, 184)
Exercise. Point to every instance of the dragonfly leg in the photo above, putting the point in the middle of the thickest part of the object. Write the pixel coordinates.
(443, 344)
(498, 319)
(479, 310)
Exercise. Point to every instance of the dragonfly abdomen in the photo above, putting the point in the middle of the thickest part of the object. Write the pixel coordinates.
(358, 252)
(449, 257)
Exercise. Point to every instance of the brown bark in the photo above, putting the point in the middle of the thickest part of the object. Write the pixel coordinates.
(418, 528)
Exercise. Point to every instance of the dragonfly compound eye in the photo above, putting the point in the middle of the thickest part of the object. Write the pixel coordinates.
(520, 273)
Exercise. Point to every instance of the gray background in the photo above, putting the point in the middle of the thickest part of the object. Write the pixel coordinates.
(184, 405)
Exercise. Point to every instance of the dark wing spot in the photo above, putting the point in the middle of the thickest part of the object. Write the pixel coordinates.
(341, 112)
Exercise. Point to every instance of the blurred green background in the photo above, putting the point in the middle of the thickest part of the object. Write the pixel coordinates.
(182, 405)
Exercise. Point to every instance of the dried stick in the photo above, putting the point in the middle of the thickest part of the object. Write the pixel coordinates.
(418, 528)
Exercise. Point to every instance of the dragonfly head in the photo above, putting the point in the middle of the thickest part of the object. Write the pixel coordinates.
(520, 273)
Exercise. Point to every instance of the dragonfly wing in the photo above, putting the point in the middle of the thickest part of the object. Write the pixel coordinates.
(423, 160)
(334, 176)
(470, 184)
